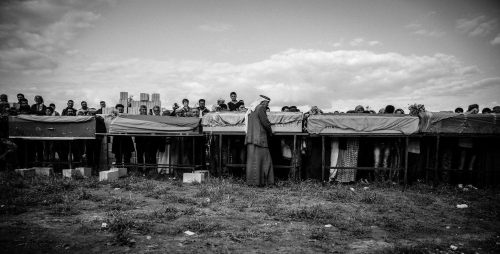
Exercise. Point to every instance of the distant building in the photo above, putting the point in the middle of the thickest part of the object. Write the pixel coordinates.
(132, 106)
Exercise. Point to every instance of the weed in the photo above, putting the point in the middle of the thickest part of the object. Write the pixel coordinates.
(340, 194)
(158, 192)
(177, 183)
(202, 225)
(189, 211)
(118, 203)
(90, 183)
(65, 208)
(372, 198)
(319, 234)
(421, 199)
(215, 190)
(121, 224)
(271, 206)
(165, 214)
(173, 198)
(84, 229)
(82, 194)
(391, 222)
(312, 213)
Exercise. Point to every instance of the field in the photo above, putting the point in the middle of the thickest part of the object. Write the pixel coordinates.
(151, 215)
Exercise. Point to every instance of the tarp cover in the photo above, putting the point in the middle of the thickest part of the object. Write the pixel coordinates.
(52, 127)
(362, 123)
(55, 119)
(140, 124)
(440, 122)
(238, 118)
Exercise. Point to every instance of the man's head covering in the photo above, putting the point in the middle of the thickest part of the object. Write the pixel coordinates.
(265, 97)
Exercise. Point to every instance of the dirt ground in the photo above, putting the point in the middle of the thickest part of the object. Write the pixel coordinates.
(152, 214)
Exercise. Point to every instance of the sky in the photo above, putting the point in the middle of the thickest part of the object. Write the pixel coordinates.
(333, 54)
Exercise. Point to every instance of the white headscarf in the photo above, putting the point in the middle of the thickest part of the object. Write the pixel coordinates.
(252, 109)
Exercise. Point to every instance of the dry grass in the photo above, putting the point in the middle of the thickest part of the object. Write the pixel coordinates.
(228, 216)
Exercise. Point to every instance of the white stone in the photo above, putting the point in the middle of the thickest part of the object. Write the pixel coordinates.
(84, 172)
(122, 172)
(26, 172)
(193, 177)
(189, 233)
(108, 175)
(70, 172)
(44, 171)
(205, 173)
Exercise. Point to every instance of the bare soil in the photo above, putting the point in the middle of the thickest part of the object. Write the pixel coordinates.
(151, 215)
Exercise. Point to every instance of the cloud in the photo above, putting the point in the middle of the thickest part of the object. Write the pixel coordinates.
(496, 40)
(21, 59)
(358, 42)
(215, 27)
(480, 26)
(34, 34)
(419, 29)
(338, 79)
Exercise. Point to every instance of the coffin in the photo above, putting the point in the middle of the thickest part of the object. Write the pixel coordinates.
(451, 123)
(52, 127)
(281, 122)
(362, 124)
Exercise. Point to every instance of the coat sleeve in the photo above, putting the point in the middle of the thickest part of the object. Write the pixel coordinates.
(264, 120)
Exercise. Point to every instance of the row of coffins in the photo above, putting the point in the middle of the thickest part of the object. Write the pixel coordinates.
(291, 124)
(282, 122)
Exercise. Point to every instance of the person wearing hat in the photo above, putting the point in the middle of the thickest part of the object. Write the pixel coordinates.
(259, 168)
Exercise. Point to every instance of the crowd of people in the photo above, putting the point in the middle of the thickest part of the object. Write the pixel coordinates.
(148, 148)
(22, 107)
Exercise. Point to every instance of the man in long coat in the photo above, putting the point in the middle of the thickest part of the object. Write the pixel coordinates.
(259, 169)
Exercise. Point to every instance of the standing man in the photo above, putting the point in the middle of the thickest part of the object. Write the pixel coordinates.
(20, 97)
(84, 110)
(201, 107)
(54, 112)
(38, 108)
(259, 164)
(70, 106)
(142, 145)
(123, 146)
(103, 105)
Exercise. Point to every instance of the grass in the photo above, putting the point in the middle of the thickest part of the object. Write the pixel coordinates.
(202, 225)
(228, 216)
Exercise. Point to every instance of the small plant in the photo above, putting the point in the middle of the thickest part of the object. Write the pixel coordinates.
(316, 213)
(189, 211)
(121, 224)
(202, 225)
(65, 208)
(271, 206)
(319, 234)
(165, 214)
(372, 198)
(340, 194)
(177, 183)
(118, 203)
(158, 192)
(82, 194)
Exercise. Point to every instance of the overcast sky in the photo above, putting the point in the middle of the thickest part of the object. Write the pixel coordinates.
(333, 54)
